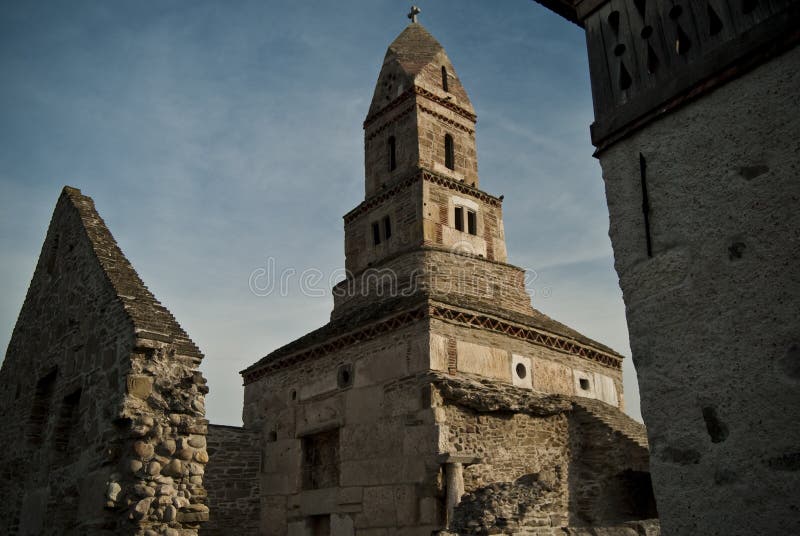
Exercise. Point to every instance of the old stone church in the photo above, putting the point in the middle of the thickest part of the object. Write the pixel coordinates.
(437, 400)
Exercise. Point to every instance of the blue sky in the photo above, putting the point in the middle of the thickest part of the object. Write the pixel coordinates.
(215, 135)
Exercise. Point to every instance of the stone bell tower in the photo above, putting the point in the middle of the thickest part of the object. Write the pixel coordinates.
(418, 101)
(424, 222)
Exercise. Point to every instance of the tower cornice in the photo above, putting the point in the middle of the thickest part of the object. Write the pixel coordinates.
(332, 338)
(424, 175)
(416, 90)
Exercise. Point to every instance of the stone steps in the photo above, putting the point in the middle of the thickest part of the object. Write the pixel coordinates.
(614, 419)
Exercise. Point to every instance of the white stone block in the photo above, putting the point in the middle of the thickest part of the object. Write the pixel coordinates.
(521, 371)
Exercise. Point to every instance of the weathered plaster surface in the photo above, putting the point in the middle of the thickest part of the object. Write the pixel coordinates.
(713, 315)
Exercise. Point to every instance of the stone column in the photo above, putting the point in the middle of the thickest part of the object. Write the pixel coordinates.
(454, 475)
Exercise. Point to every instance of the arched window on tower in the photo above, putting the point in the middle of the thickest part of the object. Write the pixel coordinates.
(444, 78)
(449, 152)
(392, 147)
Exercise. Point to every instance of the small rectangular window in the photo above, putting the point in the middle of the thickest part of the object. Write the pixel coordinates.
(40, 410)
(459, 219)
(376, 233)
(472, 222)
(387, 228)
(449, 152)
(67, 425)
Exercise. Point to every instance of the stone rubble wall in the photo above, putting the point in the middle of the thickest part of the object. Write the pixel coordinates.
(541, 464)
(159, 482)
(232, 480)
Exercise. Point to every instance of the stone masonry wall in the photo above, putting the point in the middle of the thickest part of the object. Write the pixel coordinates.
(439, 273)
(232, 480)
(101, 396)
(551, 371)
(387, 438)
(434, 121)
(712, 315)
(439, 227)
(542, 464)
(403, 210)
(400, 125)
(62, 386)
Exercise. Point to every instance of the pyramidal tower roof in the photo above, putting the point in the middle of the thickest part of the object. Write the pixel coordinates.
(414, 48)
(416, 58)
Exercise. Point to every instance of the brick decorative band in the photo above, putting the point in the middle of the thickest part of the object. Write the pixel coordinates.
(336, 343)
(541, 338)
(445, 119)
(387, 124)
(416, 90)
(440, 312)
(426, 175)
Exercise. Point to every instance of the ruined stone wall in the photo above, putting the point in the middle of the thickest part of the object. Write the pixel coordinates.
(387, 438)
(542, 464)
(232, 480)
(62, 389)
(510, 446)
(101, 397)
(713, 314)
(609, 469)
(520, 478)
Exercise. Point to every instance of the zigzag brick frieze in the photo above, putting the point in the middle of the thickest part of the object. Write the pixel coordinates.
(337, 343)
(521, 332)
(440, 312)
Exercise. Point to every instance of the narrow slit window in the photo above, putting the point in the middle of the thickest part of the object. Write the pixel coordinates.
(392, 148)
(449, 152)
(387, 227)
(40, 410)
(376, 233)
(444, 79)
(459, 219)
(67, 425)
(472, 222)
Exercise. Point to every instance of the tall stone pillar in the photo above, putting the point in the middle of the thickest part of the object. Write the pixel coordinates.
(454, 476)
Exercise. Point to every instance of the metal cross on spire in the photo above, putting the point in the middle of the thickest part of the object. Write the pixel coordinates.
(414, 12)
